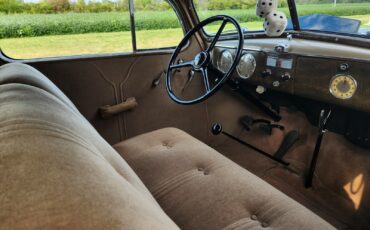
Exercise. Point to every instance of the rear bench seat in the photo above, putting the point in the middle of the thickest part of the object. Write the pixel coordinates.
(56, 171)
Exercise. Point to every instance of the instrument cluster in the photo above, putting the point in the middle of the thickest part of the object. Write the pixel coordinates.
(322, 78)
(265, 70)
(245, 68)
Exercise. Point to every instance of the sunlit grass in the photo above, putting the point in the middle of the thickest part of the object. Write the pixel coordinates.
(95, 43)
(112, 42)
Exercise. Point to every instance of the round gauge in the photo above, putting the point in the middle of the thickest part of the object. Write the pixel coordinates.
(343, 86)
(225, 61)
(246, 66)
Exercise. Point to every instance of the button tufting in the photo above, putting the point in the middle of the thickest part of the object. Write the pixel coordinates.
(253, 217)
(200, 169)
(264, 224)
(165, 144)
(205, 172)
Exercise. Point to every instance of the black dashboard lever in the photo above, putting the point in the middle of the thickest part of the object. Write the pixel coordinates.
(216, 129)
(323, 120)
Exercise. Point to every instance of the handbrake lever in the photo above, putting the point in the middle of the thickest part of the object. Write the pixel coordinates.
(323, 120)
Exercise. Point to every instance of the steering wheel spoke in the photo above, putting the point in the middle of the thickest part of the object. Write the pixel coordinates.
(217, 36)
(202, 61)
(181, 65)
(206, 79)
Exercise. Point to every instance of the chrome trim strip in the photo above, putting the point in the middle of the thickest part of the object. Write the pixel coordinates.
(244, 48)
(299, 54)
(7, 59)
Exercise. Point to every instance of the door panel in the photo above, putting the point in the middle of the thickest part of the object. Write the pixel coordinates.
(94, 82)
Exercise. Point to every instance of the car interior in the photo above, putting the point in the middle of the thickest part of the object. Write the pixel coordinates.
(228, 130)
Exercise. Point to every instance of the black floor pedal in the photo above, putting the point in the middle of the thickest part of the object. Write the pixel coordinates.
(264, 125)
(286, 144)
(267, 128)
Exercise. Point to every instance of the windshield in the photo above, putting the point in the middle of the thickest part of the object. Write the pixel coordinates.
(334, 16)
(337, 16)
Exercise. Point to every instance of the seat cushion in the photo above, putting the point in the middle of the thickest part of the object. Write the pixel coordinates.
(201, 189)
(56, 172)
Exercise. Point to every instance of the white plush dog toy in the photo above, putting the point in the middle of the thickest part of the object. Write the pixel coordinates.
(275, 21)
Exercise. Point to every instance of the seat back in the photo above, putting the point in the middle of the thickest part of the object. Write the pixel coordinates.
(55, 169)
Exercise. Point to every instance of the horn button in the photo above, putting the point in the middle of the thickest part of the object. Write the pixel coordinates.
(200, 60)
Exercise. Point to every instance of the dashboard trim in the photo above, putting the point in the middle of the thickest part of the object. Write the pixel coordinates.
(298, 54)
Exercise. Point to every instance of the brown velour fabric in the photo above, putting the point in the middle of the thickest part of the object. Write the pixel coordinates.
(201, 189)
(56, 171)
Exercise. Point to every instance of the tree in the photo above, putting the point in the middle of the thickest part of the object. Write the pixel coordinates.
(11, 6)
(59, 5)
(80, 6)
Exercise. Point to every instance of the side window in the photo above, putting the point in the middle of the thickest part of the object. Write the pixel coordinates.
(38, 29)
(156, 25)
(53, 28)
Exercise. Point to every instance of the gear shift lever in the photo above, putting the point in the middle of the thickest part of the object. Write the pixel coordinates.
(216, 129)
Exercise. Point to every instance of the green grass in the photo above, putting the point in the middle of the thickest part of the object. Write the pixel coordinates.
(32, 25)
(110, 42)
(94, 43)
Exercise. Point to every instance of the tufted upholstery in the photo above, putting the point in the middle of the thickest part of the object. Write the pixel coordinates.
(55, 169)
(57, 172)
(201, 189)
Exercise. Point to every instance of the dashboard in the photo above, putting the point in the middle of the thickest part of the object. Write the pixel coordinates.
(335, 74)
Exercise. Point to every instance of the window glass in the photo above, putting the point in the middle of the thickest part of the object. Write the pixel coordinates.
(50, 28)
(243, 10)
(156, 24)
(338, 16)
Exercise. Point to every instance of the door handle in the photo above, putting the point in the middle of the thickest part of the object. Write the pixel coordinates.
(108, 111)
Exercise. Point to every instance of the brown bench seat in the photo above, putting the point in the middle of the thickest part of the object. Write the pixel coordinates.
(57, 172)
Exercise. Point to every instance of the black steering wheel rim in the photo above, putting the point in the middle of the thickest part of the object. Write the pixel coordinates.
(202, 60)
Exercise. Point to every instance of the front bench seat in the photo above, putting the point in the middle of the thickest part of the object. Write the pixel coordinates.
(57, 172)
(201, 189)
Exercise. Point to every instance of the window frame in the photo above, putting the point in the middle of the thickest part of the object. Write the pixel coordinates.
(135, 51)
(133, 27)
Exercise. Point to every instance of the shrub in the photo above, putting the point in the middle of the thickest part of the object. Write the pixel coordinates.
(26, 25)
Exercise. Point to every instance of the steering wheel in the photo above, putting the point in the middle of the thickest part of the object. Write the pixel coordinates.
(202, 61)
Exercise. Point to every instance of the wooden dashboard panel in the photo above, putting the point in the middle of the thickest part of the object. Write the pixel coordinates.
(311, 76)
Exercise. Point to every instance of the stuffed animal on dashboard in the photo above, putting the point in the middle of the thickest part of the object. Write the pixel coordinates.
(264, 7)
(275, 21)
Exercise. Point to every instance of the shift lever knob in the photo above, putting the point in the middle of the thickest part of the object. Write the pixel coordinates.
(216, 129)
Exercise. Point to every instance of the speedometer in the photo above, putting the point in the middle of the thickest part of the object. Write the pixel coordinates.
(246, 66)
(225, 60)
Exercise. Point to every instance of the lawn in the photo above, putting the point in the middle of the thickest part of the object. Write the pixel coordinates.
(107, 42)
(95, 43)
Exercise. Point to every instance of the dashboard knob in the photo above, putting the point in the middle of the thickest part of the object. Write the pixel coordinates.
(260, 89)
(276, 83)
(285, 77)
(216, 129)
(266, 73)
(344, 67)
